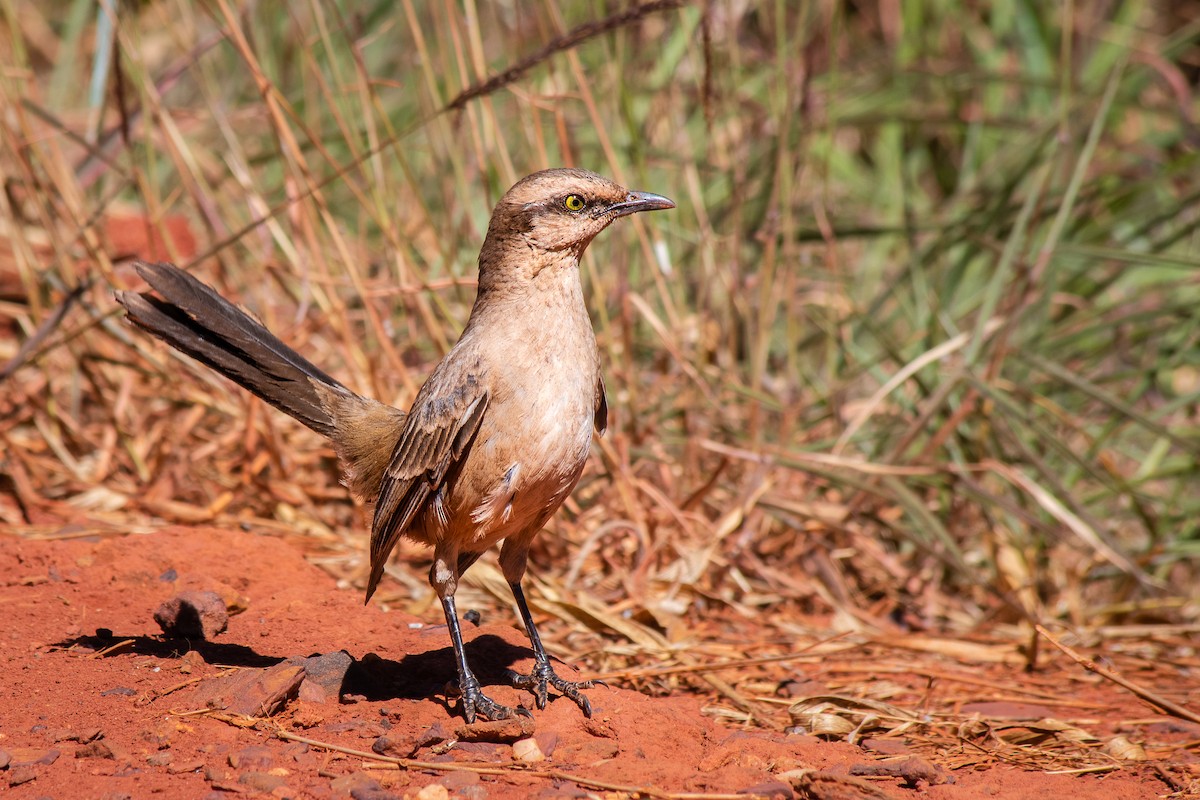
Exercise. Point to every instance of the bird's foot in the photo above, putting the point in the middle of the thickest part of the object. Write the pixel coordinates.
(474, 703)
(544, 676)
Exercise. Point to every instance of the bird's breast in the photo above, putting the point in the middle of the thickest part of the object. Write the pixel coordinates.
(535, 436)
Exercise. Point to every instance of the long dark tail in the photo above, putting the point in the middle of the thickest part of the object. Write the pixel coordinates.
(191, 317)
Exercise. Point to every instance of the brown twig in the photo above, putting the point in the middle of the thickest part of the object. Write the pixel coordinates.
(572, 38)
(514, 768)
(1150, 697)
(112, 648)
(44, 330)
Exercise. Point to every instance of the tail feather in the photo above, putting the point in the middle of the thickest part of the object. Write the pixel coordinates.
(191, 317)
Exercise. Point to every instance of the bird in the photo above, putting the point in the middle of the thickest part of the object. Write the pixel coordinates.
(497, 436)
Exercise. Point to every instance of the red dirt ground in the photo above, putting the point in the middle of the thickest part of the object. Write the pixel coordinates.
(118, 732)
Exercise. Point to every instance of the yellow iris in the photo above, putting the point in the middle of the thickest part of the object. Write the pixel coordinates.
(574, 202)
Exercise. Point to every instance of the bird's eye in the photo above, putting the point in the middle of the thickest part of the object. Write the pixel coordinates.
(574, 203)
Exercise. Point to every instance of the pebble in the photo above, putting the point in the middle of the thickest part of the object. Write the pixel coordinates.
(94, 750)
(20, 775)
(324, 676)
(193, 615)
(527, 751)
(434, 791)
(500, 731)
(376, 794)
(28, 756)
(190, 766)
(348, 784)
(254, 757)
(263, 782)
(256, 693)
(393, 748)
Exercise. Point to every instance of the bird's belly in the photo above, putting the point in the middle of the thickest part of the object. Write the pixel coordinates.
(522, 464)
(528, 478)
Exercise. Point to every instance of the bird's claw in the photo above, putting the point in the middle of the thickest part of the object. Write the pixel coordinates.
(543, 677)
(474, 703)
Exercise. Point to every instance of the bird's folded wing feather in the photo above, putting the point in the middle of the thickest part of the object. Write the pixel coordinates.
(436, 436)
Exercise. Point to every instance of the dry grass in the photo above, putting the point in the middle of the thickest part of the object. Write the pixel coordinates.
(915, 359)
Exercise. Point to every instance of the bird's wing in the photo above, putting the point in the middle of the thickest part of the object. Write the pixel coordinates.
(436, 436)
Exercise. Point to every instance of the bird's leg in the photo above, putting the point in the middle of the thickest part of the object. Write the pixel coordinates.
(543, 674)
(513, 558)
(472, 699)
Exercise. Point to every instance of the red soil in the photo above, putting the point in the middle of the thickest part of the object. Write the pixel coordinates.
(118, 733)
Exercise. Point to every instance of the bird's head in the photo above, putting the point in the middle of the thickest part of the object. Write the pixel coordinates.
(559, 211)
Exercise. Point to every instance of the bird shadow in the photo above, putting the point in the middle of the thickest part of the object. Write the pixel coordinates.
(420, 675)
(220, 653)
(415, 676)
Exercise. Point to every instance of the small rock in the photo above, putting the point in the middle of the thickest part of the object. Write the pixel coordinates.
(434, 734)
(434, 791)
(28, 756)
(190, 662)
(528, 751)
(374, 794)
(547, 741)
(348, 784)
(21, 774)
(253, 692)
(94, 750)
(499, 731)
(118, 690)
(296, 750)
(393, 748)
(190, 766)
(158, 759)
(263, 782)
(324, 676)
(217, 774)
(159, 736)
(193, 615)
(5, 759)
(305, 716)
(254, 757)
(169, 576)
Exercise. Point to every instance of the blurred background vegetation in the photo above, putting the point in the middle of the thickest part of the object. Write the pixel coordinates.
(918, 350)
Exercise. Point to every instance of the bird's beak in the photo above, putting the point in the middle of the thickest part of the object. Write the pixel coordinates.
(640, 201)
